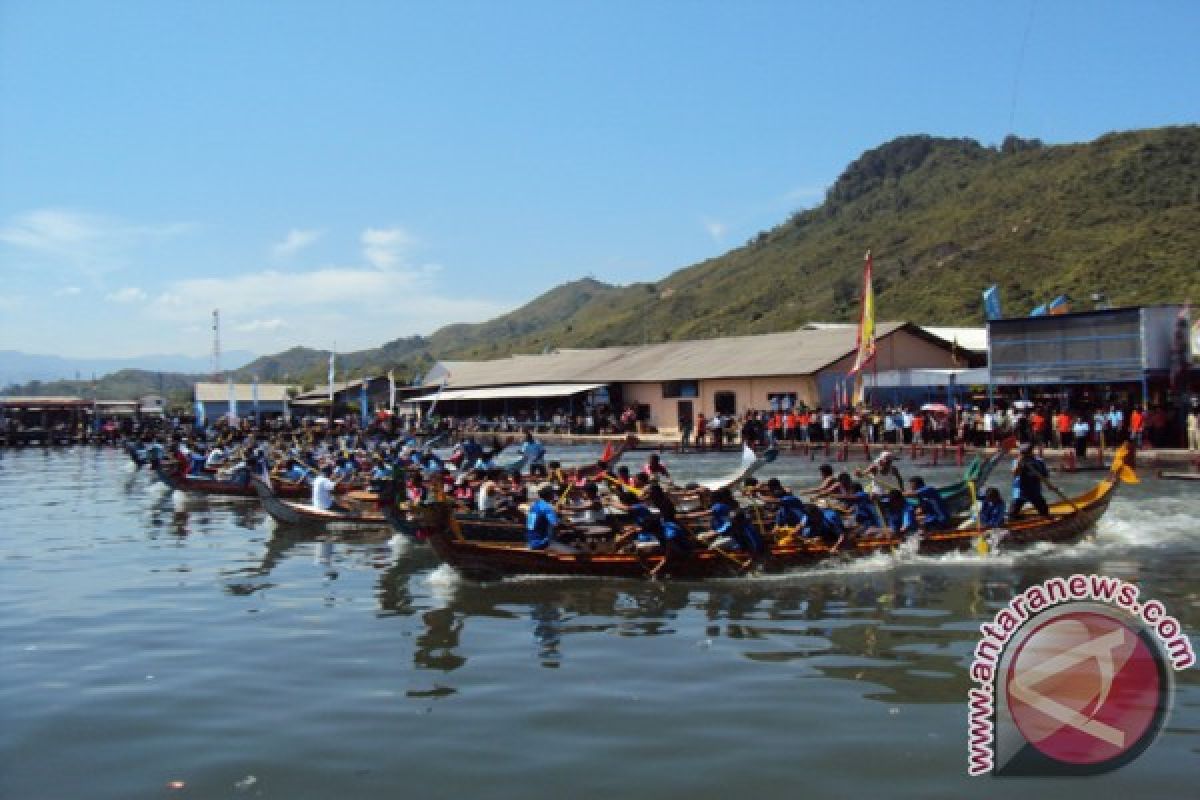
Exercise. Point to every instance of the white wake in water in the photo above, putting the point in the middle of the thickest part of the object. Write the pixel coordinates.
(1167, 523)
(442, 583)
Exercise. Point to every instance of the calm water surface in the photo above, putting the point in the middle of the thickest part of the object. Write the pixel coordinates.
(148, 638)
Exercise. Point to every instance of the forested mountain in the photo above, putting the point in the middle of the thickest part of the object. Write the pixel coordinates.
(944, 218)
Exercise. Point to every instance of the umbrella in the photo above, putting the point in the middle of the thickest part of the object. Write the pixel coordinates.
(936, 408)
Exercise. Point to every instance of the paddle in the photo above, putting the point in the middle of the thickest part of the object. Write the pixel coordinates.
(981, 543)
(743, 566)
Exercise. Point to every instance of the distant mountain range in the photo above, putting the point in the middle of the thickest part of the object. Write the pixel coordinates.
(945, 219)
(21, 368)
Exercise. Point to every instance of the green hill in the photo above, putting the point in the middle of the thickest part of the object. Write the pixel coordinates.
(944, 218)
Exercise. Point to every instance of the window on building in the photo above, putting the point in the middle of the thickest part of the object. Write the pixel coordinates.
(725, 402)
(677, 389)
(781, 401)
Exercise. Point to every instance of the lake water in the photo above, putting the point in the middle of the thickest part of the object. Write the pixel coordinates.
(159, 646)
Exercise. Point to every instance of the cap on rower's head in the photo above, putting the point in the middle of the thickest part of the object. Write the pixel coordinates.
(1026, 447)
(886, 455)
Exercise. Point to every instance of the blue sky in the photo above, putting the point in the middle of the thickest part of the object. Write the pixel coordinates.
(353, 171)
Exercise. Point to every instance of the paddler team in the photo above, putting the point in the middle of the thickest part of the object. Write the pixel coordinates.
(640, 511)
(842, 511)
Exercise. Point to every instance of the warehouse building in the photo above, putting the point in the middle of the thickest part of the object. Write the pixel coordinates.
(669, 381)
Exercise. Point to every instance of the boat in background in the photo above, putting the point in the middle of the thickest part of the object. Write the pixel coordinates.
(363, 512)
(175, 476)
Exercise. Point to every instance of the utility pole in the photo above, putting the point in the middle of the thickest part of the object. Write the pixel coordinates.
(216, 351)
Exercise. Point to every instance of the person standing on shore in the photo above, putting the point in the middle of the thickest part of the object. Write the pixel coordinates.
(1062, 429)
(1137, 422)
(685, 432)
(716, 427)
(1080, 432)
(1193, 427)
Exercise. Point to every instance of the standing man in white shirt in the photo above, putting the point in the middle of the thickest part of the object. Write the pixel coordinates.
(322, 490)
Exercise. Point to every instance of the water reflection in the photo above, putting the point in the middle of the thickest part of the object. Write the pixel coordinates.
(436, 644)
(906, 633)
(183, 513)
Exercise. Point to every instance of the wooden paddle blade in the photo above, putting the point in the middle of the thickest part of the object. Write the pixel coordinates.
(981, 546)
(973, 470)
(1127, 474)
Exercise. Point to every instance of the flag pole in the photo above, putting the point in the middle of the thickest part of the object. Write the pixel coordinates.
(332, 368)
(866, 332)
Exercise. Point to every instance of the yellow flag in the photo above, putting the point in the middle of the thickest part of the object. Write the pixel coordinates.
(866, 321)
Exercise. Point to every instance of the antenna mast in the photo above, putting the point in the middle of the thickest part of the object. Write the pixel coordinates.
(216, 351)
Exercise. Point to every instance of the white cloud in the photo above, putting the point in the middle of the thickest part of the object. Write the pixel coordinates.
(383, 248)
(350, 304)
(68, 291)
(130, 294)
(716, 230)
(91, 242)
(296, 240)
(260, 325)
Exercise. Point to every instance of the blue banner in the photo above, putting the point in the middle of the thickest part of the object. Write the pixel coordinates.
(991, 303)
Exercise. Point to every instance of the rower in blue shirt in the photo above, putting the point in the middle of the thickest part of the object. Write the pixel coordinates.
(866, 512)
(791, 511)
(931, 505)
(532, 450)
(541, 520)
(832, 527)
(900, 518)
(991, 510)
(731, 530)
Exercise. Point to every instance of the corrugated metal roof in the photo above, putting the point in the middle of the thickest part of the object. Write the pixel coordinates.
(321, 393)
(507, 392)
(41, 402)
(968, 338)
(800, 352)
(244, 392)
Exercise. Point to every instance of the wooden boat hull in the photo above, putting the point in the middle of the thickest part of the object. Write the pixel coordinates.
(302, 515)
(179, 480)
(1068, 521)
(486, 560)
